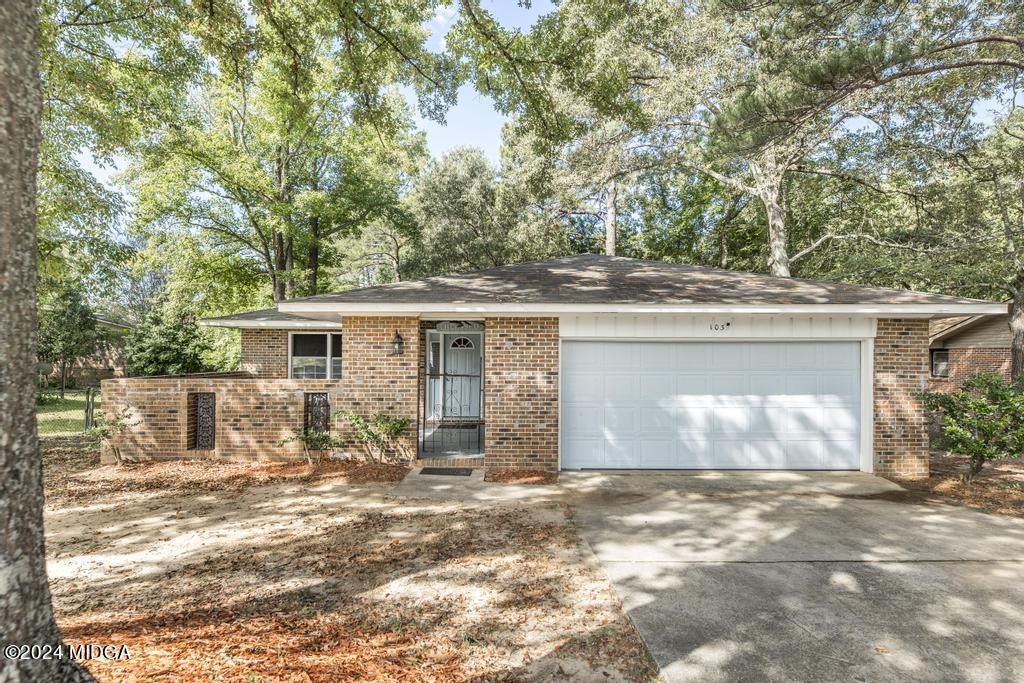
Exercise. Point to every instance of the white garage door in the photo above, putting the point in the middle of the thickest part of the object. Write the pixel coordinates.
(720, 405)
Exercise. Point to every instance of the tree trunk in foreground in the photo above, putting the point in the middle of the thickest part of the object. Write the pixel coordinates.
(1017, 329)
(767, 175)
(26, 611)
(611, 197)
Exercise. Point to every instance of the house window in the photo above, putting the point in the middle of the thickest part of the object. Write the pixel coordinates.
(315, 356)
(317, 412)
(940, 363)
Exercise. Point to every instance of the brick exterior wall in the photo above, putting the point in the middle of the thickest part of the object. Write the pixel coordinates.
(254, 412)
(521, 392)
(265, 352)
(901, 372)
(964, 362)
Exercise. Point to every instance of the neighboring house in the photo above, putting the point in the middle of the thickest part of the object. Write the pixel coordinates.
(577, 362)
(966, 345)
(107, 361)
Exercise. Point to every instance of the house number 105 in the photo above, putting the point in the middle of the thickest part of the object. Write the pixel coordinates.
(719, 327)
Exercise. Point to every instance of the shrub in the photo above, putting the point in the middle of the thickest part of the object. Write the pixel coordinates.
(983, 420)
(313, 441)
(379, 435)
(107, 427)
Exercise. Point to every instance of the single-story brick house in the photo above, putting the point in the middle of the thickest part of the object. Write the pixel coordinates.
(577, 362)
(966, 345)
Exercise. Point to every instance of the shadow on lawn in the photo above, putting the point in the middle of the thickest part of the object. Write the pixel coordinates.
(337, 584)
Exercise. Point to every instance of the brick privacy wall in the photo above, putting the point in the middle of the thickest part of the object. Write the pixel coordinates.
(521, 395)
(253, 413)
(901, 372)
(964, 362)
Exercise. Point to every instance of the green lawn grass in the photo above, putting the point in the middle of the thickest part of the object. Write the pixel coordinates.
(63, 417)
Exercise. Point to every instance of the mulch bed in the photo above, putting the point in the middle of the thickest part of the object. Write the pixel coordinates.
(520, 476)
(999, 488)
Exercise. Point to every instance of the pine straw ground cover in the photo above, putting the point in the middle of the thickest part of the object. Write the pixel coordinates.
(999, 488)
(326, 580)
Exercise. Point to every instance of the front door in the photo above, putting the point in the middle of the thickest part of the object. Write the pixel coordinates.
(454, 370)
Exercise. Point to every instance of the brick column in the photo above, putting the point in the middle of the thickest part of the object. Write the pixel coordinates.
(521, 393)
(901, 372)
(372, 380)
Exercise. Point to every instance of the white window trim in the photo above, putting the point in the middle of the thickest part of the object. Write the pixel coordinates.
(330, 358)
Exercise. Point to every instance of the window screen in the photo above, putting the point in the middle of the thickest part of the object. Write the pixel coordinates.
(940, 363)
(335, 356)
(309, 356)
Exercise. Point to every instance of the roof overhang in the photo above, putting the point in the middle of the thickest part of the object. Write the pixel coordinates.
(541, 309)
(274, 324)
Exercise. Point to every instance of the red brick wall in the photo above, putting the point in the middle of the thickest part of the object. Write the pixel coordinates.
(253, 413)
(964, 362)
(265, 352)
(521, 392)
(901, 372)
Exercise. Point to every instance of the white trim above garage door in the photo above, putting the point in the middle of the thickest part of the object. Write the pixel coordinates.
(711, 404)
(734, 327)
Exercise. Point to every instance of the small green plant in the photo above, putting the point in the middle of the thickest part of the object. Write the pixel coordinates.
(107, 428)
(1012, 485)
(313, 442)
(379, 436)
(983, 420)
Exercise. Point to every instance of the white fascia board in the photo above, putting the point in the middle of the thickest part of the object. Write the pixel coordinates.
(430, 309)
(271, 325)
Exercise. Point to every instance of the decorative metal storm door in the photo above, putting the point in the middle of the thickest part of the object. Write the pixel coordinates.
(453, 391)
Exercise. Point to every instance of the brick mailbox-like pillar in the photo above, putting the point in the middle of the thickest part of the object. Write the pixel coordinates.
(901, 373)
(521, 393)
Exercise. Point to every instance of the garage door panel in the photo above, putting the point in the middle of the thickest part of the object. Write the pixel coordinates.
(691, 384)
(695, 418)
(765, 453)
(660, 388)
(845, 452)
(682, 405)
(623, 389)
(657, 357)
(582, 387)
(803, 356)
(658, 453)
(729, 384)
(731, 419)
(840, 419)
(581, 421)
(622, 357)
(583, 452)
(730, 454)
(729, 356)
(804, 453)
(695, 356)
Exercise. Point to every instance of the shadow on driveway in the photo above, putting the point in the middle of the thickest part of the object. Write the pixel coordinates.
(807, 576)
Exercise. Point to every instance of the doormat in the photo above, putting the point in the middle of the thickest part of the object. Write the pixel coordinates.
(448, 471)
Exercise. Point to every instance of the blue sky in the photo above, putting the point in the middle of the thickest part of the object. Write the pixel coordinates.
(473, 121)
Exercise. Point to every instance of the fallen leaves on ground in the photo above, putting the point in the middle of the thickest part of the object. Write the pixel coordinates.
(999, 488)
(72, 472)
(334, 582)
(520, 476)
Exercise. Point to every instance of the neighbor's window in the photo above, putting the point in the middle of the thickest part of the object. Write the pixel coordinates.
(940, 363)
(316, 356)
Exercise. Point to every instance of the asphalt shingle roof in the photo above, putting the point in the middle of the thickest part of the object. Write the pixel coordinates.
(593, 279)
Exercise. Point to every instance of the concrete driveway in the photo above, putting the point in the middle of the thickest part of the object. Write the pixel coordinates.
(812, 577)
